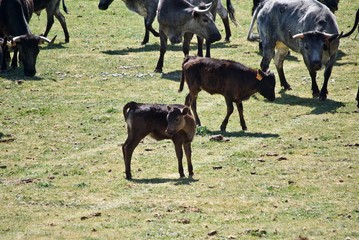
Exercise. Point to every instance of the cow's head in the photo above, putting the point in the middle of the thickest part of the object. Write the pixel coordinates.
(202, 23)
(28, 46)
(312, 46)
(266, 84)
(175, 119)
(104, 4)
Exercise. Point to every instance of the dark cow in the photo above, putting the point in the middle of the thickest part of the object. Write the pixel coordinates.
(179, 19)
(307, 27)
(233, 80)
(52, 9)
(145, 8)
(160, 121)
(14, 17)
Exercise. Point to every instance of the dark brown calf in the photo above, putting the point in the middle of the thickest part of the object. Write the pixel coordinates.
(233, 80)
(160, 121)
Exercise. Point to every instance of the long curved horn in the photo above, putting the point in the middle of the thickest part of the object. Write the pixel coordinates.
(299, 35)
(45, 39)
(198, 10)
(17, 38)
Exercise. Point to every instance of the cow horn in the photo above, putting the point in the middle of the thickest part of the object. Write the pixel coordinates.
(299, 35)
(198, 10)
(46, 39)
(16, 39)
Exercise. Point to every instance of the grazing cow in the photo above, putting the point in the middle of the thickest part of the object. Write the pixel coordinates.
(233, 80)
(178, 19)
(160, 121)
(14, 17)
(307, 27)
(52, 9)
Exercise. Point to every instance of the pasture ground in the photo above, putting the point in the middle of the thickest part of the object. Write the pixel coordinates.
(293, 174)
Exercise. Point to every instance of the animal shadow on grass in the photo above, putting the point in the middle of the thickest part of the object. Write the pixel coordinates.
(52, 46)
(245, 134)
(173, 76)
(318, 106)
(176, 181)
(17, 76)
(340, 55)
(156, 48)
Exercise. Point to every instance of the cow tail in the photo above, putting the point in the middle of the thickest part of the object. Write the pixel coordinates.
(250, 36)
(128, 107)
(64, 7)
(231, 11)
(354, 27)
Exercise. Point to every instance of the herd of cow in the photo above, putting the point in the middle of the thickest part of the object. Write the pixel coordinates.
(308, 27)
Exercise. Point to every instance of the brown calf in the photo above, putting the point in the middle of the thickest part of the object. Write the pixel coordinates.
(160, 121)
(233, 80)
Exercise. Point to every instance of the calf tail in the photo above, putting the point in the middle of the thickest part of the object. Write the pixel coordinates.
(186, 59)
(182, 82)
(230, 9)
(354, 27)
(128, 107)
(64, 7)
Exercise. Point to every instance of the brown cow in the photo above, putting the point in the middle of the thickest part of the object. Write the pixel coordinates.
(233, 80)
(160, 121)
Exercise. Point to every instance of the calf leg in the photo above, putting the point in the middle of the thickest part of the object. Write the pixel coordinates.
(193, 100)
(279, 57)
(241, 116)
(324, 90)
(179, 154)
(229, 112)
(188, 152)
(163, 49)
(127, 149)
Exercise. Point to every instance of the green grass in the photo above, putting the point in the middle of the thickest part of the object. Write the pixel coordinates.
(292, 174)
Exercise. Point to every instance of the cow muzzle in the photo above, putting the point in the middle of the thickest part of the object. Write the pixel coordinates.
(316, 65)
(214, 37)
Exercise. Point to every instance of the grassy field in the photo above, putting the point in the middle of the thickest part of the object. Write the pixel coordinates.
(293, 174)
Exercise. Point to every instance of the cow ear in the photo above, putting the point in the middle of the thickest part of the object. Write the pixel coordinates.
(185, 111)
(169, 108)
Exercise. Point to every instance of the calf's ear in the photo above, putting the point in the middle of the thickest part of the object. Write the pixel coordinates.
(185, 111)
(169, 108)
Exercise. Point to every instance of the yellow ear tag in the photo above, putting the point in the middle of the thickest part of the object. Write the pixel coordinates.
(259, 77)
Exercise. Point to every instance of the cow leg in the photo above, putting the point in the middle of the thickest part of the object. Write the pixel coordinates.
(241, 116)
(148, 23)
(188, 152)
(324, 90)
(62, 21)
(315, 89)
(279, 57)
(179, 154)
(147, 35)
(14, 59)
(186, 43)
(227, 28)
(357, 98)
(163, 49)
(208, 49)
(268, 54)
(200, 46)
(229, 112)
